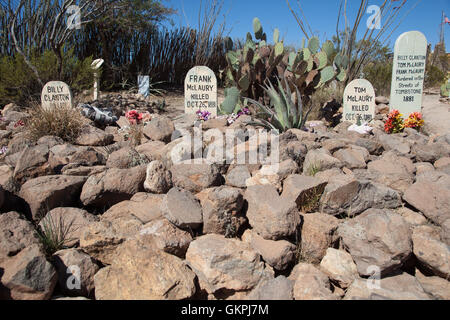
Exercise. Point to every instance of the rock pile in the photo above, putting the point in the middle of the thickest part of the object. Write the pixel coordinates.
(344, 216)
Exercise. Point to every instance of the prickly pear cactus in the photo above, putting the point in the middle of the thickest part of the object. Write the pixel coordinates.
(308, 69)
(445, 89)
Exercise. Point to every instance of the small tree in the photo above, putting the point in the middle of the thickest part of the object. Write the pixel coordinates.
(49, 24)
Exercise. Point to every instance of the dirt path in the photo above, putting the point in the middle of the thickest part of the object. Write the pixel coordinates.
(436, 115)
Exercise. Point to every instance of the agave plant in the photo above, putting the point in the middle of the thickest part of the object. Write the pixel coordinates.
(283, 113)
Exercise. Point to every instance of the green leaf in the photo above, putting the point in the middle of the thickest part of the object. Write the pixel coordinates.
(314, 45)
(232, 96)
(276, 36)
(323, 59)
(328, 48)
(279, 49)
(244, 82)
(257, 29)
(326, 74)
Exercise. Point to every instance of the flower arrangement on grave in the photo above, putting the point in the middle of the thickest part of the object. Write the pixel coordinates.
(203, 115)
(414, 121)
(137, 121)
(395, 123)
(3, 150)
(19, 123)
(234, 116)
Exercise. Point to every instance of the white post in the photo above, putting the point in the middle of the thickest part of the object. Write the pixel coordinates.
(96, 86)
(96, 64)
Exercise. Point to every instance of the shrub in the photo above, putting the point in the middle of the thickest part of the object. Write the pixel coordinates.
(54, 234)
(380, 76)
(18, 84)
(64, 122)
(433, 77)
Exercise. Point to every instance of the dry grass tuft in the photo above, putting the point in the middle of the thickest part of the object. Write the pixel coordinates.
(65, 122)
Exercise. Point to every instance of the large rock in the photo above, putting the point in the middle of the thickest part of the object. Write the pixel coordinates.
(310, 283)
(278, 254)
(141, 272)
(279, 288)
(16, 234)
(153, 150)
(158, 179)
(222, 210)
(101, 239)
(273, 174)
(392, 172)
(338, 265)
(224, 264)
(319, 160)
(305, 191)
(436, 287)
(195, 177)
(27, 276)
(126, 158)
(395, 143)
(75, 221)
(443, 165)
(159, 129)
(182, 209)
(353, 157)
(345, 194)
(113, 186)
(167, 237)
(32, 163)
(317, 235)
(76, 272)
(431, 252)
(237, 176)
(377, 238)
(434, 203)
(399, 287)
(45, 193)
(430, 152)
(144, 206)
(271, 216)
(92, 136)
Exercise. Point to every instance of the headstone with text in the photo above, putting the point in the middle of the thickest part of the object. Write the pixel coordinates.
(359, 102)
(408, 73)
(144, 85)
(56, 94)
(200, 91)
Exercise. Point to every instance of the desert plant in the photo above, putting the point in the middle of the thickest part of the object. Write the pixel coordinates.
(309, 200)
(284, 113)
(257, 63)
(445, 89)
(313, 169)
(54, 233)
(64, 122)
(137, 159)
(434, 77)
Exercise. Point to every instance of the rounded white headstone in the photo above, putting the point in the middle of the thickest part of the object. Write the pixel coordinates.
(56, 94)
(359, 101)
(408, 73)
(200, 90)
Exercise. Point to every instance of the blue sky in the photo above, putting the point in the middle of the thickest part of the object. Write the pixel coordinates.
(321, 15)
